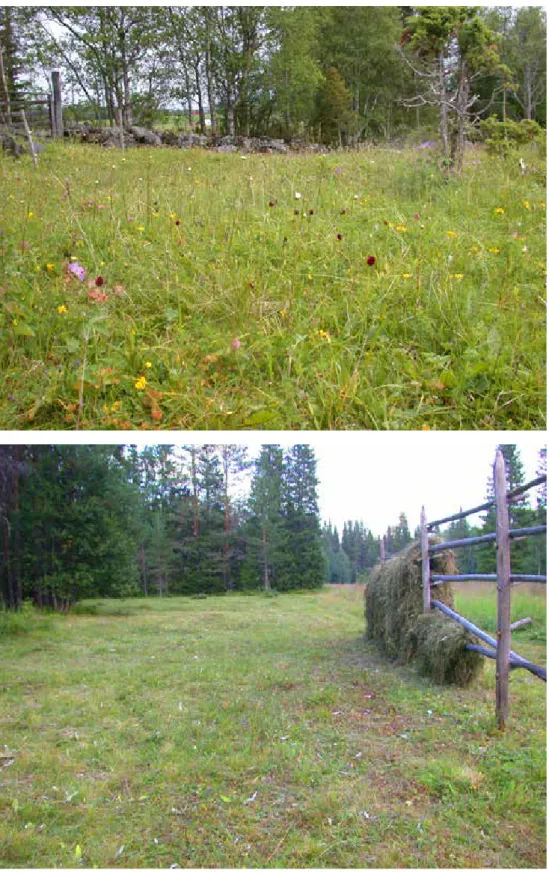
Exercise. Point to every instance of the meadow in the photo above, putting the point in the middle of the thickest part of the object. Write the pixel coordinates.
(158, 288)
(254, 731)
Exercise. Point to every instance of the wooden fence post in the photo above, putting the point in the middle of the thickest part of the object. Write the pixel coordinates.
(425, 563)
(503, 557)
(57, 127)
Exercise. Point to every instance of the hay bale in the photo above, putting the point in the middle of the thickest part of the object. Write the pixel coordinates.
(395, 620)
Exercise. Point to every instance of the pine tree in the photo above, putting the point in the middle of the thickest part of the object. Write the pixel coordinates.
(304, 565)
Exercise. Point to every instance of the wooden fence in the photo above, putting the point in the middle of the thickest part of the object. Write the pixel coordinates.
(500, 648)
(20, 109)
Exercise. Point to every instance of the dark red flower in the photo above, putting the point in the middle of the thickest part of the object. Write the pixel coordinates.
(177, 222)
(311, 212)
(271, 203)
(370, 260)
(343, 212)
(340, 236)
(99, 281)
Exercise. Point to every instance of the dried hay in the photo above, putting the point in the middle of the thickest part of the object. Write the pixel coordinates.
(402, 631)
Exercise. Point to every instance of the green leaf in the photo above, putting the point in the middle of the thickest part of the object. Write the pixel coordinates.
(78, 853)
(72, 344)
(23, 330)
(224, 798)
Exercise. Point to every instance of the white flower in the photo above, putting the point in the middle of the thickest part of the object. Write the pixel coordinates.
(297, 195)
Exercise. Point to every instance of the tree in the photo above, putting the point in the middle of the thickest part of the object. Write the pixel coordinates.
(234, 461)
(453, 46)
(304, 565)
(333, 113)
(266, 507)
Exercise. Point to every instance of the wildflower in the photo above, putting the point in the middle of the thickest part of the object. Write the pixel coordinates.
(406, 275)
(355, 196)
(526, 204)
(296, 211)
(417, 216)
(235, 343)
(100, 205)
(340, 236)
(425, 427)
(62, 309)
(473, 250)
(323, 334)
(77, 270)
(99, 281)
(30, 214)
(456, 275)
(172, 215)
(297, 195)
(451, 233)
(494, 251)
(177, 222)
(271, 203)
(148, 365)
(311, 212)
(499, 210)
(401, 228)
(50, 268)
(342, 211)
(140, 227)
(370, 260)
(141, 383)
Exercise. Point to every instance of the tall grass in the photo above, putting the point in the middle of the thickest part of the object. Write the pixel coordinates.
(215, 297)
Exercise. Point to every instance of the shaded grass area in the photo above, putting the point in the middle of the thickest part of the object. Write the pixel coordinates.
(226, 302)
(244, 731)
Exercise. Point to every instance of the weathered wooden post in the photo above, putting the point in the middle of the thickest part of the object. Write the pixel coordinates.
(425, 564)
(57, 129)
(503, 557)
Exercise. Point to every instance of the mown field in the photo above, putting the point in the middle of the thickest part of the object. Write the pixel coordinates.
(246, 731)
(194, 290)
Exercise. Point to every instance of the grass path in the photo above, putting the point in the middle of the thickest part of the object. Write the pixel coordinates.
(270, 292)
(244, 731)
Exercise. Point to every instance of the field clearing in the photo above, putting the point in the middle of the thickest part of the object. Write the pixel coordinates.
(223, 291)
(253, 731)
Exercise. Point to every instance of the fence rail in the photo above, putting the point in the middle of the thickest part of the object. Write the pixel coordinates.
(500, 649)
(19, 108)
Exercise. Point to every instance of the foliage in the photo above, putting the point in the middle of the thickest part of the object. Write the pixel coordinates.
(503, 137)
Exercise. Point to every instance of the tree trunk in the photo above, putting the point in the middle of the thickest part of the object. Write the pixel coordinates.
(209, 85)
(443, 107)
(266, 581)
(201, 115)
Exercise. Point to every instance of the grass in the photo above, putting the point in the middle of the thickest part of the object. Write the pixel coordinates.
(253, 732)
(220, 311)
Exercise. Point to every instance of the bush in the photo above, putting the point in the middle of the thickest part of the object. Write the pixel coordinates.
(25, 620)
(503, 137)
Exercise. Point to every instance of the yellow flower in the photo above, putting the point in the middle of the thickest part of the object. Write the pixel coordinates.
(283, 313)
(50, 267)
(499, 210)
(494, 251)
(62, 309)
(30, 214)
(38, 268)
(474, 250)
(451, 233)
(324, 334)
(456, 275)
(148, 365)
(401, 228)
(140, 227)
(141, 383)
(526, 204)
(425, 427)
(406, 275)
(172, 214)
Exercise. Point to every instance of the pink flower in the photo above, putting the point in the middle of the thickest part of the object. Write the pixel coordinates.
(235, 343)
(77, 270)
(370, 260)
